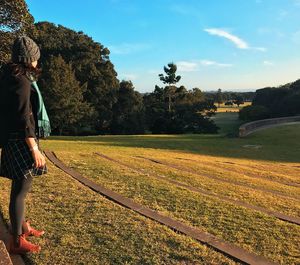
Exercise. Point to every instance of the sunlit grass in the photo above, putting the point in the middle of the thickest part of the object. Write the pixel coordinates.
(85, 228)
(234, 108)
(232, 223)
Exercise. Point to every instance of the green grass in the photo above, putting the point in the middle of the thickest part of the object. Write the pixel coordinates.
(86, 228)
(228, 122)
(277, 144)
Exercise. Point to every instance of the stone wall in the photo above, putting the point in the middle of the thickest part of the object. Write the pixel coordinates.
(250, 127)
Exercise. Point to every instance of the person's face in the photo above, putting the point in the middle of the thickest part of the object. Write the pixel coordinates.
(34, 64)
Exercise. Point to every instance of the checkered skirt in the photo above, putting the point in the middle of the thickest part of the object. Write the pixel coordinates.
(17, 161)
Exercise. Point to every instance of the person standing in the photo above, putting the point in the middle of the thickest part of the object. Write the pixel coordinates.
(25, 122)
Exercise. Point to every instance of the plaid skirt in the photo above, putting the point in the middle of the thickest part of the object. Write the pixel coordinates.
(16, 159)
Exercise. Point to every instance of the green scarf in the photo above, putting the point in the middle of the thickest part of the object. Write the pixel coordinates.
(44, 128)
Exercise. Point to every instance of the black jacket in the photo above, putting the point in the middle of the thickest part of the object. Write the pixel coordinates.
(18, 104)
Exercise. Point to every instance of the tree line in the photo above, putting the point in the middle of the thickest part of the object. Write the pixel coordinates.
(82, 91)
(273, 102)
(230, 98)
(84, 96)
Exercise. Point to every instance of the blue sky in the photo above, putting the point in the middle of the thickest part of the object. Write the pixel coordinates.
(228, 44)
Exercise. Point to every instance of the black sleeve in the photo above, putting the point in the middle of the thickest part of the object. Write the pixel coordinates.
(23, 106)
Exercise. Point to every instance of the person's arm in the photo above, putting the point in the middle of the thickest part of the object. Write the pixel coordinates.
(39, 159)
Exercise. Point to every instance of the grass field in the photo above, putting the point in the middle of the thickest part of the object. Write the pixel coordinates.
(228, 123)
(86, 228)
(234, 108)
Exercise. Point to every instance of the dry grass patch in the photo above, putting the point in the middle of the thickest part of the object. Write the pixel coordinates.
(83, 227)
(249, 229)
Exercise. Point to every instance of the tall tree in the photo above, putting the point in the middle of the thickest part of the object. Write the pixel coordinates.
(170, 79)
(90, 61)
(155, 110)
(63, 96)
(238, 100)
(219, 97)
(190, 113)
(15, 19)
(128, 111)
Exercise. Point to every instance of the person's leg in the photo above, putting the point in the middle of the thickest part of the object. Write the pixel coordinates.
(19, 190)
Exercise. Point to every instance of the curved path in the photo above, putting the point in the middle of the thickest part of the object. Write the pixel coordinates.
(220, 245)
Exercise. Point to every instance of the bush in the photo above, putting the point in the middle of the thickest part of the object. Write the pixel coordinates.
(252, 113)
(290, 105)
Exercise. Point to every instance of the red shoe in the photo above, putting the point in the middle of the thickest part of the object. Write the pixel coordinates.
(24, 246)
(31, 231)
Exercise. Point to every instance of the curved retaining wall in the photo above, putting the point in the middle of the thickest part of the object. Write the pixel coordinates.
(251, 127)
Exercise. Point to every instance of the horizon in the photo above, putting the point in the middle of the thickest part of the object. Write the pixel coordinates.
(235, 53)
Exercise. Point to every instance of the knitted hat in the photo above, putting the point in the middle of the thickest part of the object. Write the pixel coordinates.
(25, 50)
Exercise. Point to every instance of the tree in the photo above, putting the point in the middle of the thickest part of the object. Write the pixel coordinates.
(63, 96)
(272, 102)
(154, 106)
(290, 105)
(252, 113)
(238, 100)
(170, 79)
(15, 19)
(228, 103)
(190, 112)
(91, 65)
(128, 111)
(219, 97)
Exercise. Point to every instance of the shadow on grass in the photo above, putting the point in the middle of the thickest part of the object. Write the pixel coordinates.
(276, 144)
(28, 261)
(228, 122)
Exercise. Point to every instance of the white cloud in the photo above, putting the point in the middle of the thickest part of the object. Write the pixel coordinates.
(127, 48)
(268, 63)
(261, 49)
(192, 66)
(239, 43)
(184, 66)
(213, 63)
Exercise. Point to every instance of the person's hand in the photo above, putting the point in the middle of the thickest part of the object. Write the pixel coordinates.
(39, 159)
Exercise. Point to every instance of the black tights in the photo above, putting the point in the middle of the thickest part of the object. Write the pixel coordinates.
(19, 190)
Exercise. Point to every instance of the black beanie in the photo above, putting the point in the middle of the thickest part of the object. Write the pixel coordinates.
(25, 50)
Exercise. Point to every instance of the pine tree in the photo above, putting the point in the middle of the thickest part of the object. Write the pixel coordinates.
(170, 79)
(219, 97)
